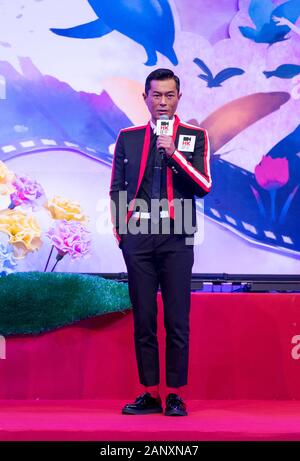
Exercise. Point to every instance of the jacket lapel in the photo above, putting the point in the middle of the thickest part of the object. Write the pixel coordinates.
(145, 153)
(143, 164)
(170, 192)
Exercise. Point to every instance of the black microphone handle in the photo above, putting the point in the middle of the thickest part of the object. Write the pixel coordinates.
(162, 152)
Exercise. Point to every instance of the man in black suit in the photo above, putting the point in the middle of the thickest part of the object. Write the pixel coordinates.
(155, 178)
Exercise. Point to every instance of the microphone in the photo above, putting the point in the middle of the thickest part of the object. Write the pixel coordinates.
(162, 127)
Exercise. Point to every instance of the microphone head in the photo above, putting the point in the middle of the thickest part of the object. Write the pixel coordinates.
(164, 125)
(163, 117)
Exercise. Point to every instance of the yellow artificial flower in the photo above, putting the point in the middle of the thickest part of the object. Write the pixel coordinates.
(65, 209)
(23, 230)
(6, 179)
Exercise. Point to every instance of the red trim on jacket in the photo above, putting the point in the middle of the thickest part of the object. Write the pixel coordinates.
(116, 235)
(199, 178)
(187, 125)
(207, 156)
(203, 180)
(111, 180)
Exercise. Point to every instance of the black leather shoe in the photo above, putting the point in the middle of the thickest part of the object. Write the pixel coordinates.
(175, 406)
(144, 404)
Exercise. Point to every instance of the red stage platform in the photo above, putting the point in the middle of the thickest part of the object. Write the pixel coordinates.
(244, 381)
(210, 420)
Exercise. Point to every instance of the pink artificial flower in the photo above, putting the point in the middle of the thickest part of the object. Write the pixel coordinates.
(272, 173)
(27, 192)
(70, 237)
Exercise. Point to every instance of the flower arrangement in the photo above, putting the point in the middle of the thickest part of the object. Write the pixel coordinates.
(67, 232)
(6, 179)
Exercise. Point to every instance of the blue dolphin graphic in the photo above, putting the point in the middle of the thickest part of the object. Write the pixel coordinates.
(284, 71)
(147, 22)
(267, 31)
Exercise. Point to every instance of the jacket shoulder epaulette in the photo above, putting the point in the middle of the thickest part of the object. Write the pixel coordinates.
(192, 127)
(133, 128)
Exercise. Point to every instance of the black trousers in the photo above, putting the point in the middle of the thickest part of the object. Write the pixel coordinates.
(165, 261)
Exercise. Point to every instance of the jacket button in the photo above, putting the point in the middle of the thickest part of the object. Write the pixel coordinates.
(126, 183)
(125, 160)
(190, 157)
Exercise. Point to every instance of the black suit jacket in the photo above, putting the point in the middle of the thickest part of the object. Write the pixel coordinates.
(188, 173)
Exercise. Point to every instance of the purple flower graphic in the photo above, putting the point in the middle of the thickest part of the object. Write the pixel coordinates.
(28, 192)
(69, 237)
(272, 173)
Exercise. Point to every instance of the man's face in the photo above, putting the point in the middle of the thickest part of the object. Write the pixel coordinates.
(162, 98)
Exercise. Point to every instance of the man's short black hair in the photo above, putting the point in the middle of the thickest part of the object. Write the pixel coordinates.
(161, 74)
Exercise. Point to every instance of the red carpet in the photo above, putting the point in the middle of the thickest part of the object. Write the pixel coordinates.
(102, 421)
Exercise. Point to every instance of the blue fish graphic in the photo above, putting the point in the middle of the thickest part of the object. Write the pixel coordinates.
(284, 71)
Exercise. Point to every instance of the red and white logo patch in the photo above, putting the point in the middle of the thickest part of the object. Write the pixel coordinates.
(186, 143)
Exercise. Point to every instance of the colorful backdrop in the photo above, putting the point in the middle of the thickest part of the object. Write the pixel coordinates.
(72, 75)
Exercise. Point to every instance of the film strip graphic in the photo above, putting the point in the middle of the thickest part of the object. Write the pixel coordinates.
(37, 145)
(235, 211)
